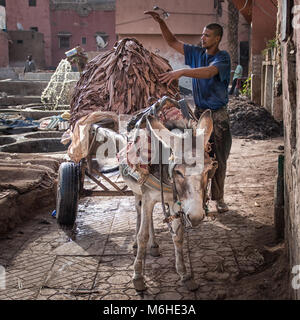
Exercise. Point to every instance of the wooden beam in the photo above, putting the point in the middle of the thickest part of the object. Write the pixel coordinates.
(109, 193)
(96, 181)
(107, 179)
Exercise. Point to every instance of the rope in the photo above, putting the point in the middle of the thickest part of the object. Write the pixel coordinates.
(188, 253)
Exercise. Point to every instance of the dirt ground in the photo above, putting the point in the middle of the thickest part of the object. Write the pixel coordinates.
(27, 184)
(231, 256)
(250, 185)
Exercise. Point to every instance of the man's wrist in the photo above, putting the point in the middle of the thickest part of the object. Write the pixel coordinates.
(183, 72)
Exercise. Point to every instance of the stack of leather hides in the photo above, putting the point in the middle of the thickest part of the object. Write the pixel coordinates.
(122, 80)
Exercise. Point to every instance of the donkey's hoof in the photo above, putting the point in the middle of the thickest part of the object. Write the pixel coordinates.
(139, 284)
(154, 251)
(190, 284)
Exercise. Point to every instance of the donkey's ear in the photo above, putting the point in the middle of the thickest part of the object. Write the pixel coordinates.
(155, 124)
(206, 122)
(165, 136)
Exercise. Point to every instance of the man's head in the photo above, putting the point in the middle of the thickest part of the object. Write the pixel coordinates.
(212, 35)
(29, 57)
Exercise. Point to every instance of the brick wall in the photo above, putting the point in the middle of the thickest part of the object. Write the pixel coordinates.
(291, 117)
(19, 11)
(24, 44)
(3, 49)
(79, 26)
(80, 18)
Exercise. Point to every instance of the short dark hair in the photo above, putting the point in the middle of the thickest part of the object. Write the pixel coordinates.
(217, 29)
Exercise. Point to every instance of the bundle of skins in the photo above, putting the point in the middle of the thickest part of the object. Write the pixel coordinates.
(123, 80)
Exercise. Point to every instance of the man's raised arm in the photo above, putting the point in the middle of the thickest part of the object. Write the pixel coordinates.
(172, 41)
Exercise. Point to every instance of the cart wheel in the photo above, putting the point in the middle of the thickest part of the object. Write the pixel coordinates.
(67, 194)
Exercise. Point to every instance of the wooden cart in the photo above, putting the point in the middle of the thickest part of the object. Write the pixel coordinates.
(71, 180)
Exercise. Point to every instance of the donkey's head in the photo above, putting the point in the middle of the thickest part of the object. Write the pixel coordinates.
(190, 178)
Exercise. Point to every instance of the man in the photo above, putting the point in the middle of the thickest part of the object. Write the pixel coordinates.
(29, 65)
(238, 73)
(210, 73)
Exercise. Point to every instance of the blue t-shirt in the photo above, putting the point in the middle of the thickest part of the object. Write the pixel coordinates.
(209, 93)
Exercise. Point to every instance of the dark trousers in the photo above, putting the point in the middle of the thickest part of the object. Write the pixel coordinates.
(233, 86)
(221, 146)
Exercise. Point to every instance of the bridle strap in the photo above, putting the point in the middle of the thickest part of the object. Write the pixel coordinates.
(165, 211)
(175, 194)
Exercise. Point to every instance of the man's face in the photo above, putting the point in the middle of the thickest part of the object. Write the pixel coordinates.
(209, 39)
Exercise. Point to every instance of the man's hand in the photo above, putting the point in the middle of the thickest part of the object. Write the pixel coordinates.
(154, 15)
(172, 41)
(168, 77)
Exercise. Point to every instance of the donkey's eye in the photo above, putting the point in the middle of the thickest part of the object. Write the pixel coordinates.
(179, 173)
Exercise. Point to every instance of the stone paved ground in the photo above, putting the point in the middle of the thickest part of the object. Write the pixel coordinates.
(227, 254)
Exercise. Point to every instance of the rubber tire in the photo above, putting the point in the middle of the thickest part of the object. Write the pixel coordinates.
(67, 194)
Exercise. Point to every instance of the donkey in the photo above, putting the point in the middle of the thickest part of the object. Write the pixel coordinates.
(188, 193)
(186, 196)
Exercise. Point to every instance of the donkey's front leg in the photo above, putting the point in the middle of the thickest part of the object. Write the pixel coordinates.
(154, 247)
(138, 206)
(142, 240)
(186, 278)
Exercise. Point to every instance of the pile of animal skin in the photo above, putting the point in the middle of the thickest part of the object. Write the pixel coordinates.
(122, 80)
